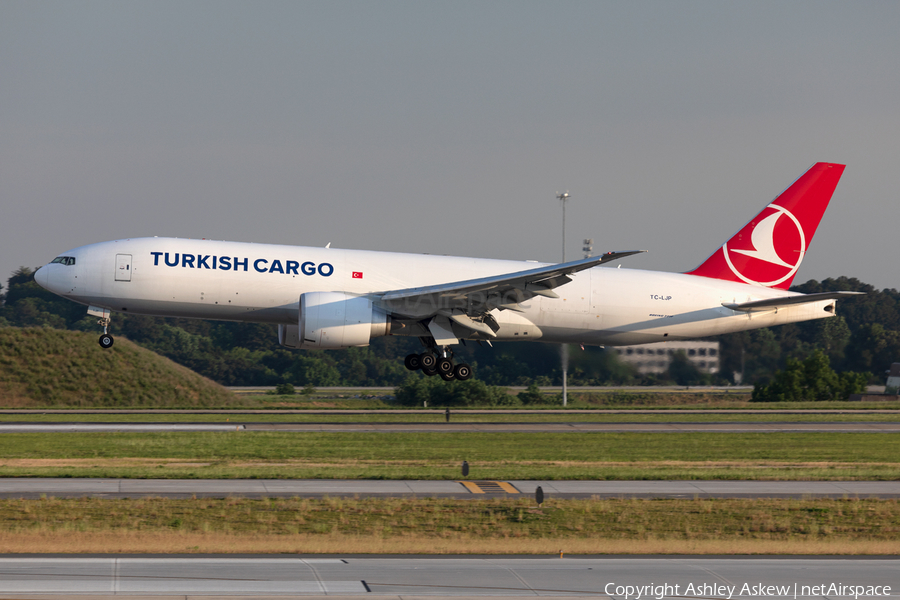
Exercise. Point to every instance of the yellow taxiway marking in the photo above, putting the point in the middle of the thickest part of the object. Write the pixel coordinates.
(489, 487)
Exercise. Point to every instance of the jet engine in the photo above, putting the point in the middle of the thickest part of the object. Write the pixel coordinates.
(332, 320)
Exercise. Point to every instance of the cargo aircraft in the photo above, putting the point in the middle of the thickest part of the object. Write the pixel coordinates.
(330, 298)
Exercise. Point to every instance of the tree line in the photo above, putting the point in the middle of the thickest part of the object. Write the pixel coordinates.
(865, 338)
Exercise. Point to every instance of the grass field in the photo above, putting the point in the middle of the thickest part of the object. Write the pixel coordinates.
(634, 456)
(457, 416)
(650, 398)
(40, 368)
(435, 526)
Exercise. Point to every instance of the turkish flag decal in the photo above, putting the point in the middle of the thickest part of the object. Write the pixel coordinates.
(357, 274)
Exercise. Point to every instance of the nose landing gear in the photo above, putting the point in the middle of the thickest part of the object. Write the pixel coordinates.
(106, 340)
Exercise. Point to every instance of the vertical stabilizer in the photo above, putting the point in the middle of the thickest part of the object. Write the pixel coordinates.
(768, 250)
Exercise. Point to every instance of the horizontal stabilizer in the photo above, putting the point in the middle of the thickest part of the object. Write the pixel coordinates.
(772, 303)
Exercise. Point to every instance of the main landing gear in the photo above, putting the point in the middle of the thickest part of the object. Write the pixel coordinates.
(435, 364)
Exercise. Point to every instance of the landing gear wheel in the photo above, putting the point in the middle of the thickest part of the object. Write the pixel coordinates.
(106, 341)
(462, 371)
(413, 362)
(447, 376)
(429, 372)
(428, 360)
(444, 366)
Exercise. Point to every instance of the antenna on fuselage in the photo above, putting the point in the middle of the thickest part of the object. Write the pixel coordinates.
(588, 247)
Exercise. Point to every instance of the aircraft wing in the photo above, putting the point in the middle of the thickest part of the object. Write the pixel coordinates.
(773, 303)
(463, 300)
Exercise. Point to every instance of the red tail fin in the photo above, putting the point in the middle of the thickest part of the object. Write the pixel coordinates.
(768, 250)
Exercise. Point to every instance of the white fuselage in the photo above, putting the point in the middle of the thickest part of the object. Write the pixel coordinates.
(263, 282)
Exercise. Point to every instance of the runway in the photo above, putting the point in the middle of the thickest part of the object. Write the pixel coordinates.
(611, 578)
(439, 412)
(573, 427)
(462, 489)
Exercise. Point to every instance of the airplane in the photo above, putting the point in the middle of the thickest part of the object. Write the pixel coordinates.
(330, 298)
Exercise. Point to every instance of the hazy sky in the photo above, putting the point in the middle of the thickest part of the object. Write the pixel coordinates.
(448, 127)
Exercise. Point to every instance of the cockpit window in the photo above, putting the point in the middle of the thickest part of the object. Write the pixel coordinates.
(64, 260)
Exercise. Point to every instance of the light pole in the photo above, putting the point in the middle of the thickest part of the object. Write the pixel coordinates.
(564, 349)
(562, 198)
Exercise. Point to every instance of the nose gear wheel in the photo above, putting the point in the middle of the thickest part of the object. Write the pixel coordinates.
(106, 341)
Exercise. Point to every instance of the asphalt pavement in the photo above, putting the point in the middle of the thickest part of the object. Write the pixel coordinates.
(463, 489)
(613, 578)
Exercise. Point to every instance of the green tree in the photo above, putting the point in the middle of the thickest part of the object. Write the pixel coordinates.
(316, 368)
(684, 372)
(253, 336)
(599, 366)
(29, 305)
(532, 395)
(755, 354)
(873, 348)
(831, 336)
(414, 391)
(418, 389)
(876, 306)
(810, 380)
(284, 389)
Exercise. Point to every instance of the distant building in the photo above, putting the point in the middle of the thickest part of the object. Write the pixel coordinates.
(655, 358)
(893, 380)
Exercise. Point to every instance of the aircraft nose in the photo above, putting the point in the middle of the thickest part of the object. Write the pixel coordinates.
(42, 277)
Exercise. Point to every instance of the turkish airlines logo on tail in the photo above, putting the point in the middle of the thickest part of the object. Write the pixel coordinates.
(774, 244)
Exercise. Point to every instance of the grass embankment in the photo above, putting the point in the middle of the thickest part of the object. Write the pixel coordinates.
(442, 526)
(610, 456)
(48, 367)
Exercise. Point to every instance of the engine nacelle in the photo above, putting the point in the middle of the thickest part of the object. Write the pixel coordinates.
(289, 336)
(332, 320)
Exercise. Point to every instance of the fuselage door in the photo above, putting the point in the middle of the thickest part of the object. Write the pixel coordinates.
(123, 267)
